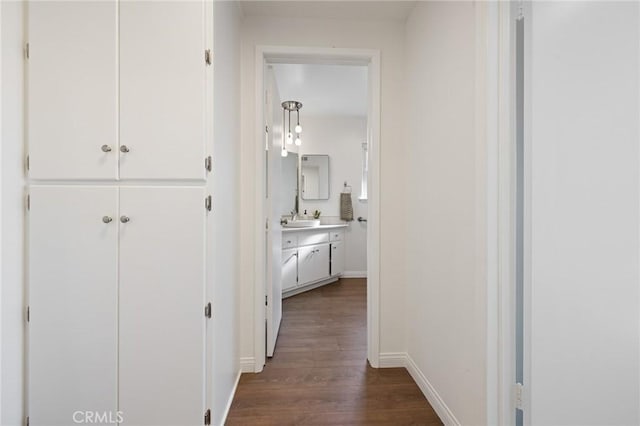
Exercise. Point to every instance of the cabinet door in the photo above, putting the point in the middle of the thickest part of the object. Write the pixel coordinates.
(72, 90)
(162, 299)
(73, 292)
(337, 258)
(289, 269)
(313, 263)
(162, 89)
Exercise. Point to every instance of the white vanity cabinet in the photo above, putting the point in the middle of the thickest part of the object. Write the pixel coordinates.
(289, 268)
(313, 263)
(337, 258)
(311, 258)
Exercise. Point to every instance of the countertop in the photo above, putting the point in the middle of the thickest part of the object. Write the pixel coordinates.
(316, 228)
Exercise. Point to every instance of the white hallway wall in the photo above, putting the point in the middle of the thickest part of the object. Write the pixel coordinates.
(341, 138)
(445, 299)
(388, 37)
(583, 137)
(12, 169)
(225, 184)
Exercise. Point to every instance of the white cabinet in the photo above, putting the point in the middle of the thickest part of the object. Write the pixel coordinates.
(162, 89)
(117, 90)
(313, 263)
(72, 90)
(162, 288)
(309, 258)
(289, 269)
(73, 295)
(337, 258)
(116, 299)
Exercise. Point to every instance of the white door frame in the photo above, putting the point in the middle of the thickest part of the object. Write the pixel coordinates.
(315, 55)
(496, 106)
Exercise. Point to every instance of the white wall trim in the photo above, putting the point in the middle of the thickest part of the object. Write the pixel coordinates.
(393, 359)
(436, 401)
(328, 55)
(230, 401)
(354, 274)
(247, 364)
(402, 359)
(496, 64)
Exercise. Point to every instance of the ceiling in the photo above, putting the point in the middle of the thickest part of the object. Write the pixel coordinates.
(397, 10)
(324, 89)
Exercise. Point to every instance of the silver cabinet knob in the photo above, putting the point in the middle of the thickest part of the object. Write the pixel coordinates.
(105, 148)
(124, 219)
(124, 149)
(107, 219)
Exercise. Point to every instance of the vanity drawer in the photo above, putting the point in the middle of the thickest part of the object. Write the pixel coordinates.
(289, 240)
(309, 238)
(336, 235)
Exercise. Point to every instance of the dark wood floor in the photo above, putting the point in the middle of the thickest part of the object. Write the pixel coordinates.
(319, 374)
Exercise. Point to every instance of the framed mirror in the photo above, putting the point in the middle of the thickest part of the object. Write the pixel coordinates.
(314, 177)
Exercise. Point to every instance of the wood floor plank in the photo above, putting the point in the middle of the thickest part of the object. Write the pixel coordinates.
(319, 374)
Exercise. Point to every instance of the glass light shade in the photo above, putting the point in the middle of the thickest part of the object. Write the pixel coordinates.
(298, 129)
(289, 138)
(284, 152)
(298, 141)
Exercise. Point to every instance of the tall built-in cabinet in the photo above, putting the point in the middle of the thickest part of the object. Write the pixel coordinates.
(118, 136)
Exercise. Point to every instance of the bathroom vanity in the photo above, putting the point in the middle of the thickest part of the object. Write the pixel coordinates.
(311, 257)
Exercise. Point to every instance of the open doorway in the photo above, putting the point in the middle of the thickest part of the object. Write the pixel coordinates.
(318, 154)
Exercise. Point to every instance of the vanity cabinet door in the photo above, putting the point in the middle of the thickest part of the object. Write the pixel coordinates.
(289, 269)
(337, 258)
(313, 263)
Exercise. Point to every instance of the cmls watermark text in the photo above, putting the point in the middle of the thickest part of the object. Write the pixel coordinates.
(97, 417)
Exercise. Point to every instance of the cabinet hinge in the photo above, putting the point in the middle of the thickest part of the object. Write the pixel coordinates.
(518, 390)
(208, 57)
(208, 163)
(28, 202)
(207, 417)
(27, 421)
(28, 315)
(208, 203)
(266, 300)
(27, 163)
(207, 310)
(26, 50)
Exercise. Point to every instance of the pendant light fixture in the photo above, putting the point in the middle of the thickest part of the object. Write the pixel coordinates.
(284, 151)
(289, 106)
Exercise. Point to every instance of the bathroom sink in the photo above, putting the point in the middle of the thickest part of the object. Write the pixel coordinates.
(303, 223)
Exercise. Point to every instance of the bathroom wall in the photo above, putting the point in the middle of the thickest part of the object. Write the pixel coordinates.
(341, 138)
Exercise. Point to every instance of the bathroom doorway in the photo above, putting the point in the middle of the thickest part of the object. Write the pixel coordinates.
(317, 166)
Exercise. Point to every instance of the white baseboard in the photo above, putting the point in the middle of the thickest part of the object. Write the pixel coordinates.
(230, 401)
(392, 359)
(354, 274)
(431, 394)
(247, 364)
